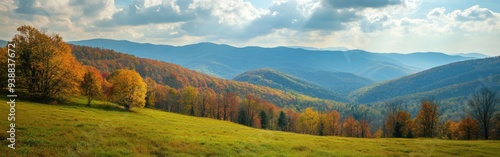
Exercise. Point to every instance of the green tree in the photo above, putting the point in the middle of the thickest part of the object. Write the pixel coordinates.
(91, 86)
(282, 121)
(129, 89)
(46, 68)
(263, 120)
(188, 100)
(151, 92)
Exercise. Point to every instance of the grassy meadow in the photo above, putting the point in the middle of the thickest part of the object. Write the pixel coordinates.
(105, 129)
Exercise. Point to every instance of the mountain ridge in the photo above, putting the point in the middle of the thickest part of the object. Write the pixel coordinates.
(459, 76)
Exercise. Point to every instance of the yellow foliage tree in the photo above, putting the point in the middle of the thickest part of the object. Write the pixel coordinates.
(128, 88)
(308, 122)
(47, 68)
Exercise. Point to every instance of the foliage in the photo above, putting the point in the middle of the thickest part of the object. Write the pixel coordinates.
(46, 68)
(92, 84)
(468, 129)
(427, 119)
(73, 129)
(129, 89)
(309, 122)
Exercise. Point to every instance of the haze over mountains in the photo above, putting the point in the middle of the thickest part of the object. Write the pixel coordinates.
(314, 66)
(348, 76)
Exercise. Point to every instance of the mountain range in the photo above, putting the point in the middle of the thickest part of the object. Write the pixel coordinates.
(228, 62)
(459, 79)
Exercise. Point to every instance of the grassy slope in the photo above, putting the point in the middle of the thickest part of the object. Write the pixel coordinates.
(75, 130)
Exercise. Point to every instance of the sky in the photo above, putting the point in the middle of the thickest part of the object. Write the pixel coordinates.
(403, 26)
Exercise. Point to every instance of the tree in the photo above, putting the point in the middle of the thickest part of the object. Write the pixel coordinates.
(351, 127)
(282, 121)
(91, 86)
(332, 119)
(188, 100)
(150, 92)
(263, 120)
(497, 126)
(365, 129)
(468, 128)
(450, 129)
(308, 122)
(483, 105)
(232, 100)
(399, 125)
(208, 100)
(129, 89)
(427, 118)
(46, 68)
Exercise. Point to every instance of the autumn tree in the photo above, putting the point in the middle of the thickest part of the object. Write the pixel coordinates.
(427, 118)
(399, 125)
(468, 128)
(351, 127)
(3, 62)
(331, 120)
(232, 101)
(151, 92)
(129, 89)
(46, 68)
(208, 100)
(161, 97)
(91, 86)
(450, 129)
(308, 122)
(483, 105)
(188, 100)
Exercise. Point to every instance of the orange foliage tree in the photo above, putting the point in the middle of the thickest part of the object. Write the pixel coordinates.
(427, 119)
(468, 128)
(46, 67)
(91, 86)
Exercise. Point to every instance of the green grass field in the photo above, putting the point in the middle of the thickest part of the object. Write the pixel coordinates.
(107, 130)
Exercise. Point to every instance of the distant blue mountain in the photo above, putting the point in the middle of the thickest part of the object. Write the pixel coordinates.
(227, 62)
(3, 43)
(459, 79)
(475, 55)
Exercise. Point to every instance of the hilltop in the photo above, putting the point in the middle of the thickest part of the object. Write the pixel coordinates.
(227, 62)
(286, 82)
(459, 79)
(107, 130)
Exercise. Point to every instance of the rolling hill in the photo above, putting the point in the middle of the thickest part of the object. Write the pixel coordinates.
(458, 79)
(227, 62)
(108, 130)
(178, 77)
(285, 82)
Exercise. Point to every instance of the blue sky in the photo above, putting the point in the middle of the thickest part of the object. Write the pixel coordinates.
(449, 26)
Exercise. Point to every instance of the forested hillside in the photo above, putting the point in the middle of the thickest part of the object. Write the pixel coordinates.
(227, 61)
(178, 77)
(278, 80)
(458, 79)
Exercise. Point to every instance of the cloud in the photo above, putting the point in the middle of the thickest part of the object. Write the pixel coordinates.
(436, 12)
(474, 13)
(361, 3)
(143, 12)
(374, 24)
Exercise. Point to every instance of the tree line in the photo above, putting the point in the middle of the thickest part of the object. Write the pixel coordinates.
(48, 72)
